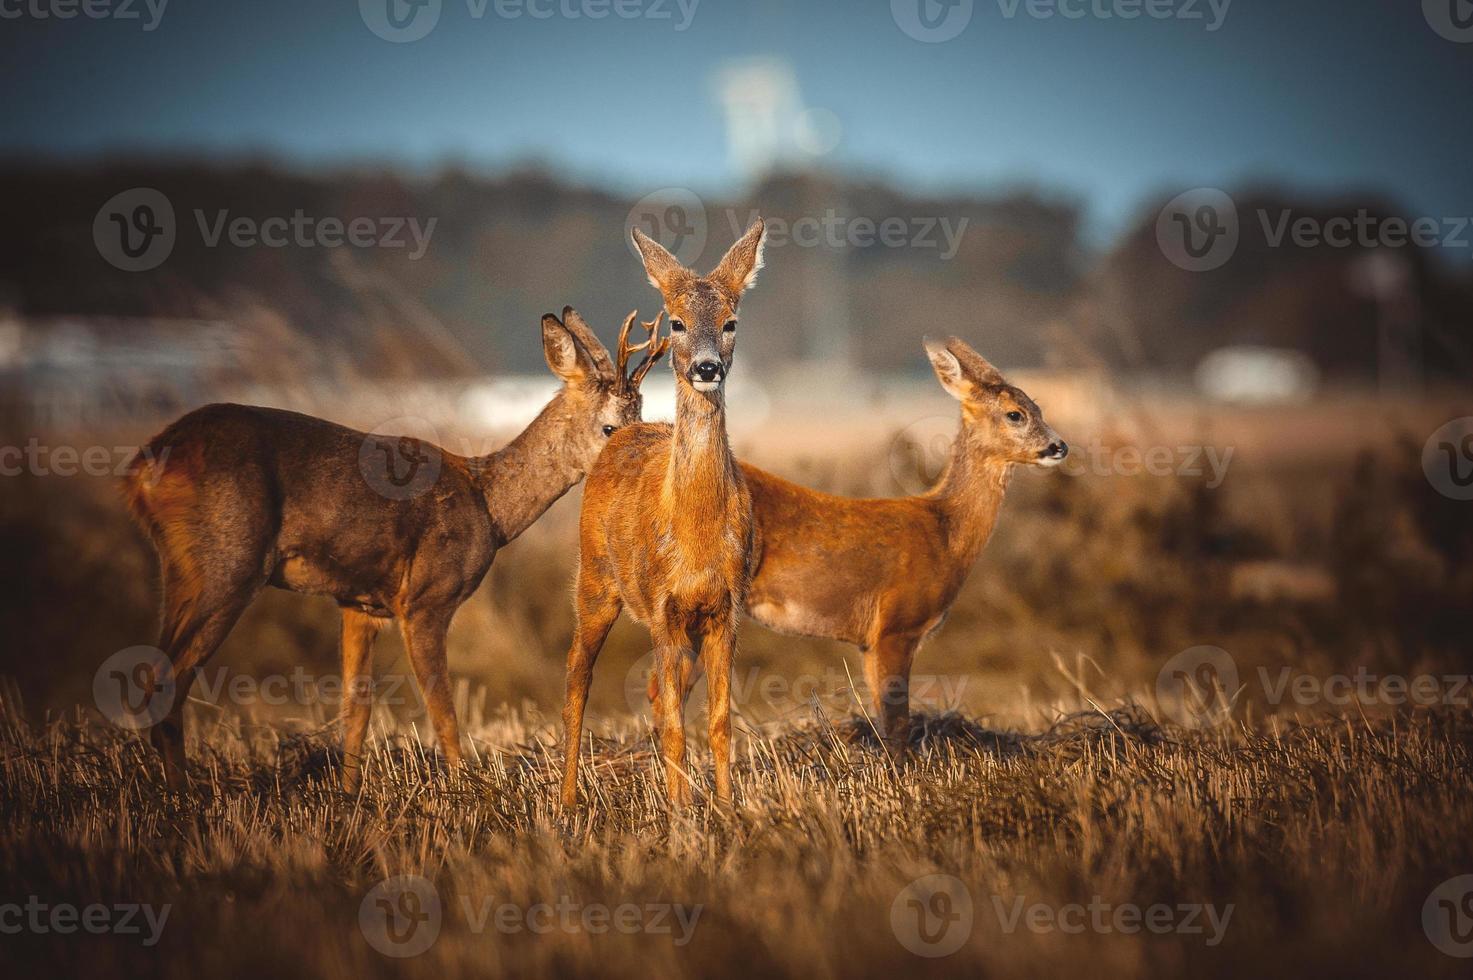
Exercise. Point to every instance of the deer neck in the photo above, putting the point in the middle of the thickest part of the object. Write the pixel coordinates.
(969, 495)
(701, 476)
(528, 475)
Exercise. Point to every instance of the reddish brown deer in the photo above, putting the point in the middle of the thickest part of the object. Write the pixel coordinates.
(666, 528)
(882, 573)
(248, 497)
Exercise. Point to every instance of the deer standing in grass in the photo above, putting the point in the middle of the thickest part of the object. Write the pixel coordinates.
(882, 573)
(666, 528)
(236, 498)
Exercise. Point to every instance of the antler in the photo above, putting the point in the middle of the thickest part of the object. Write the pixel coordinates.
(653, 346)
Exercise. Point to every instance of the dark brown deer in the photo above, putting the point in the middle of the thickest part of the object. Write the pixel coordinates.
(236, 498)
(666, 527)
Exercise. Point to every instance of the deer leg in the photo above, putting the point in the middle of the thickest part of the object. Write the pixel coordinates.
(359, 630)
(597, 608)
(670, 652)
(719, 647)
(692, 668)
(424, 635)
(190, 638)
(888, 670)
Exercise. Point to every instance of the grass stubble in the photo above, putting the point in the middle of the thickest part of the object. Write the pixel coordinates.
(1314, 842)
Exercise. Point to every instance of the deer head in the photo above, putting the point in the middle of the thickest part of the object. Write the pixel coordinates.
(599, 395)
(999, 420)
(703, 309)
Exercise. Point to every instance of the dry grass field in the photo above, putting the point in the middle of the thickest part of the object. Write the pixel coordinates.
(1277, 851)
(1086, 820)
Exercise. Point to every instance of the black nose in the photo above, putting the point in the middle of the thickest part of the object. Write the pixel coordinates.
(1057, 450)
(708, 370)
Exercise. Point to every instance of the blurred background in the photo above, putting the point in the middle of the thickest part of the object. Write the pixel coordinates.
(1225, 245)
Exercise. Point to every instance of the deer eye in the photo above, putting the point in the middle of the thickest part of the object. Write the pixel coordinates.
(677, 327)
(730, 326)
(610, 429)
(1015, 416)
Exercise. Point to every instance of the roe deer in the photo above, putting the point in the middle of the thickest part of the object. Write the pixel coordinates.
(882, 573)
(252, 497)
(666, 528)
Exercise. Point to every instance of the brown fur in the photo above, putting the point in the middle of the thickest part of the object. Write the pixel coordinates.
(666, 526)
(882, 573)
(236, 498)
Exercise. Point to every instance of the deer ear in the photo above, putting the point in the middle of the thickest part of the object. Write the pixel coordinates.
(948, 370)
(664, 269)
(589, 341)
(737, 270)
(977, 367)
(564, 354)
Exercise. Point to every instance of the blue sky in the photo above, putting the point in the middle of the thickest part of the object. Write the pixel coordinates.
(1321, 96)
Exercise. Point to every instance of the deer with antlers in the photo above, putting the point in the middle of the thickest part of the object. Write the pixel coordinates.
(236, 498)
(882, 573)
(666, 526)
